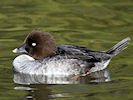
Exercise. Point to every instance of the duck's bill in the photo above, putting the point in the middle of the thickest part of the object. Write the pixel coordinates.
(20, 49)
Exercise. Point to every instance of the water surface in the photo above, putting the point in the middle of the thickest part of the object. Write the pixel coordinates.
(92, 23)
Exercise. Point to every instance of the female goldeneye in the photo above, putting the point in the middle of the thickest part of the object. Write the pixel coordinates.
(43, 56)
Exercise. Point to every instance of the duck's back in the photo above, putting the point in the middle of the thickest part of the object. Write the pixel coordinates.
(81, 53)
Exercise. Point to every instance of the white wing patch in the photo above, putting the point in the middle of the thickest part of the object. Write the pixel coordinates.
(100, 66)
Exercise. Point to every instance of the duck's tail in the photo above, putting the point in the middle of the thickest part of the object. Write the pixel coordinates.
(118, 47)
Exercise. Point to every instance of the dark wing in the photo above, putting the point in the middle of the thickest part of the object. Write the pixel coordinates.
(82, 53)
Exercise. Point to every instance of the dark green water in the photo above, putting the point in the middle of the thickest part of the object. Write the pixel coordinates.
(96, 24)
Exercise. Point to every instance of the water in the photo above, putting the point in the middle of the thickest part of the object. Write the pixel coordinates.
(92, 23)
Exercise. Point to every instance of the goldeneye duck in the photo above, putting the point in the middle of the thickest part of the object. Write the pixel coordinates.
(43, 57)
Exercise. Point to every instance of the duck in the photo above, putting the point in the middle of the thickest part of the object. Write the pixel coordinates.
(41, 56)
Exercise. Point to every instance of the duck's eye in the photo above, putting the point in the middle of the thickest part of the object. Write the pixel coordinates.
(33, 44)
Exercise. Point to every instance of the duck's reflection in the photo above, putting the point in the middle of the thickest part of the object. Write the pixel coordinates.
(100, 76)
